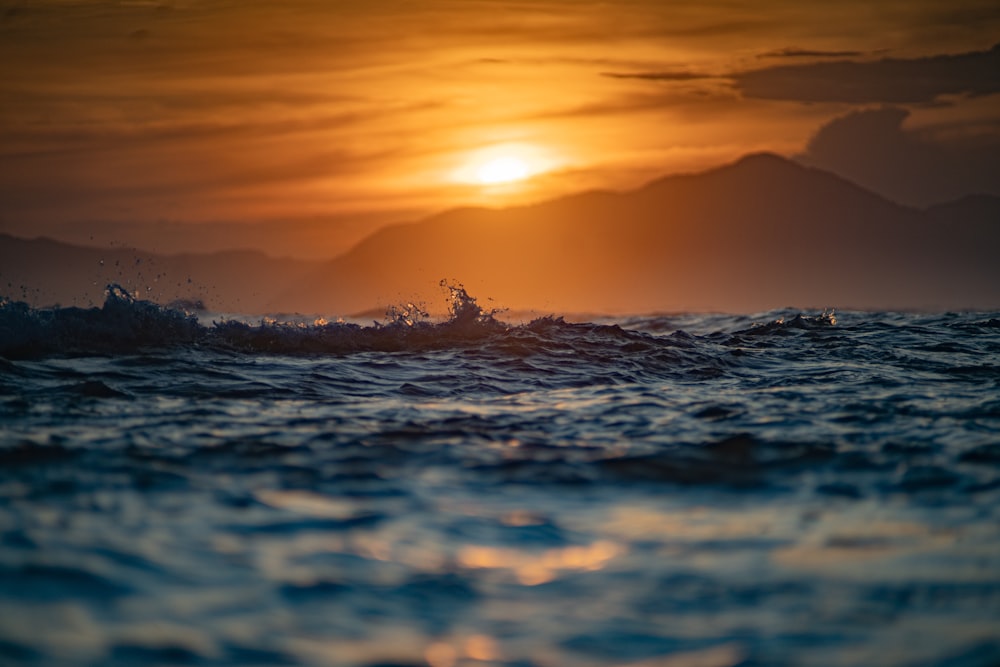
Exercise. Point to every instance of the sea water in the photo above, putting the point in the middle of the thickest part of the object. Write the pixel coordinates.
(709, 490)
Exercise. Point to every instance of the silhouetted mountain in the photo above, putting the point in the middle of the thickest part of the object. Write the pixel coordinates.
(313, 239)
(45, 272)
(763, 232)
(978, 209)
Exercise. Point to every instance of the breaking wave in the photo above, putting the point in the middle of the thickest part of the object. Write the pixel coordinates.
(126, 324)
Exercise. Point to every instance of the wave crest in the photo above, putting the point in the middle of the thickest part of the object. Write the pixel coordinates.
(125, 324)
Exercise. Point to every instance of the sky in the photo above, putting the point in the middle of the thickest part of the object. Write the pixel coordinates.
(237, 112)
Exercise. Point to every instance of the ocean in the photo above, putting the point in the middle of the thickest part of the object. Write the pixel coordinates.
(706, 490)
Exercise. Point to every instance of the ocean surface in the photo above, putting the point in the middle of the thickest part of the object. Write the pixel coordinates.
(787, 488)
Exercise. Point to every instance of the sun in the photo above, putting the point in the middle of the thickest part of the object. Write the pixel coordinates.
(499, 167)
(504, 169)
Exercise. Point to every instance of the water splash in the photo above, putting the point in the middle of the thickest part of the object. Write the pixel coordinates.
(797, 322)
(408, 314)
(115, 293)
(126, 324)
(123, 324)
(464, 307)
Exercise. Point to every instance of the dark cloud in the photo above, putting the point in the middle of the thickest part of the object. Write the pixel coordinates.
(809, 53)
(886, 81)
(919, 168)
(659, 76)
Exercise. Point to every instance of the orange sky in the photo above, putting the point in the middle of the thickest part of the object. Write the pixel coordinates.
(220, 110)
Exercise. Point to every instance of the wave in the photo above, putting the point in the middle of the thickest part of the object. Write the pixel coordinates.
(122, 324)
(626, 350)
(125, 324)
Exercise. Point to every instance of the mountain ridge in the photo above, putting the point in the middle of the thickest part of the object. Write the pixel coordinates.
(759, 233)
(47, 272)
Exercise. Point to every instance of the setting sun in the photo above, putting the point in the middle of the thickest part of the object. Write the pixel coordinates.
(504, 164)
(502, 170)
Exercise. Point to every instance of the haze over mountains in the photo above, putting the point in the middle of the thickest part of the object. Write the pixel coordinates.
(761, 233)
(764, 232)
(45, 272)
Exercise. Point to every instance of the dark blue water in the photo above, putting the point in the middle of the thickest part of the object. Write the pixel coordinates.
(782, 489)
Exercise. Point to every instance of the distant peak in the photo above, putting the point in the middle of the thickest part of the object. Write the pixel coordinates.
(769, 167)
(763, 156)
(764, 160)
(764, 165)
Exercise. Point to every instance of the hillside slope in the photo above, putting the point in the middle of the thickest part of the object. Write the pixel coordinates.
(761, 233)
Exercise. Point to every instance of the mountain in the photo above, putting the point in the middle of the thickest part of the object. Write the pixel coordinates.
(981, 210)
(319, 238)
(761, 233)
(45, 272)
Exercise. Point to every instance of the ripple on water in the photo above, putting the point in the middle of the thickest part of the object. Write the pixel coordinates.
(677, 489)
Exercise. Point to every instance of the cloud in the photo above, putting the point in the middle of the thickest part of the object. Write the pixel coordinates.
(659, 76)
(916, 167)
(809, 53)
(311, 104)
(885, 81)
